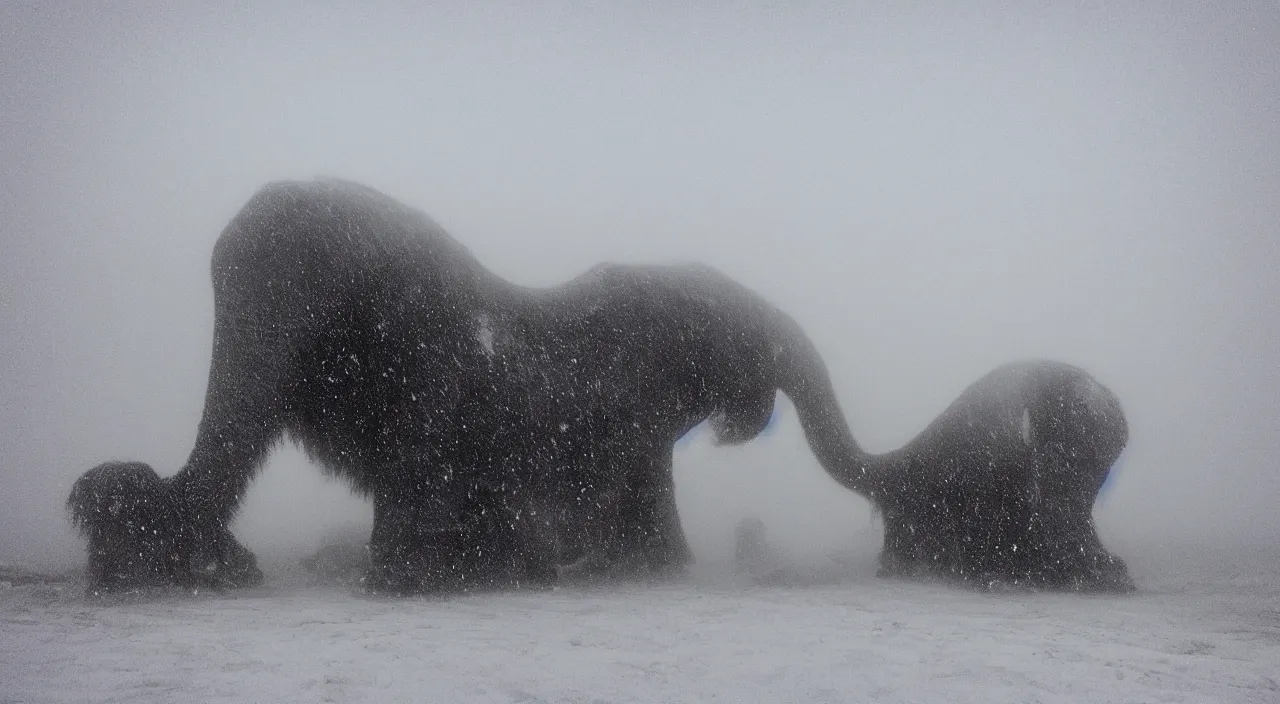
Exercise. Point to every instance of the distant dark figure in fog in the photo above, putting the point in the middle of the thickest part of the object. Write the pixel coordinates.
(765, 564)
(342, 559)
(749, 547)
(497, 429)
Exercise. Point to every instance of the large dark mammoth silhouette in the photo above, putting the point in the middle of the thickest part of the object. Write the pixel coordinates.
(1000, 486)
(487, 422)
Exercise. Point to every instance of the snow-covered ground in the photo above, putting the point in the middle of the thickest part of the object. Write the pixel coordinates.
(1208, 633)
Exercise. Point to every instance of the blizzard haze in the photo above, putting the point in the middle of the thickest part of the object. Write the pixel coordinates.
(930, 190)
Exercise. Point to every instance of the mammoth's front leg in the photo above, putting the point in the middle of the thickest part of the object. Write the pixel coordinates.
(509, 537)
(897, 556)
(416, 542)
(586, 527)
(634, 521)
(225, 563)
(241, 421)
(1071, 555)
(639, 526)
(534, 525)
(1053, 519)
(654, 518)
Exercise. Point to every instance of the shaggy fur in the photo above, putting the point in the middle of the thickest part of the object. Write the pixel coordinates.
(501, 430)
(488, 422)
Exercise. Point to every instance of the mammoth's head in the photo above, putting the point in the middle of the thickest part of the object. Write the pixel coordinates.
(747, 385)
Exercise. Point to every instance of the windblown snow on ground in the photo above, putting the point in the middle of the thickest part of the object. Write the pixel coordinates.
(1212, 635)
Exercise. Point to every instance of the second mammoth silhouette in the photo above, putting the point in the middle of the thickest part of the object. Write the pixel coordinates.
(1000, 487)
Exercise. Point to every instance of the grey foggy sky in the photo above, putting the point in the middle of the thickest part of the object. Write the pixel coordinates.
(930, 190)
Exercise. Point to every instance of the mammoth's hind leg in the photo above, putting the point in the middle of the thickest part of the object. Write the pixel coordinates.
(1081, 432)
(1072, 554)
(177, 528)
(241, 421)
(635, 523)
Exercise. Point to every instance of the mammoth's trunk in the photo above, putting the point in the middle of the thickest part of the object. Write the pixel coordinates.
(804, 379)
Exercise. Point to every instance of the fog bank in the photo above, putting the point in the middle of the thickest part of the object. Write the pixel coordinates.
(930, 190)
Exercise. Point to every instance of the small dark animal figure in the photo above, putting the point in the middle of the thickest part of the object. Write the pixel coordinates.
(1000, 488)
(489, 423)
(136, 541)
(749, 545)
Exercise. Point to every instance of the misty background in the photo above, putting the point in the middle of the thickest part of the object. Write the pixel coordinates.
(930, 190)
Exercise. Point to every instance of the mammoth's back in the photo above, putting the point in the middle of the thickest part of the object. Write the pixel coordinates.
(362, 309)
(674, 322)
(303, 238)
